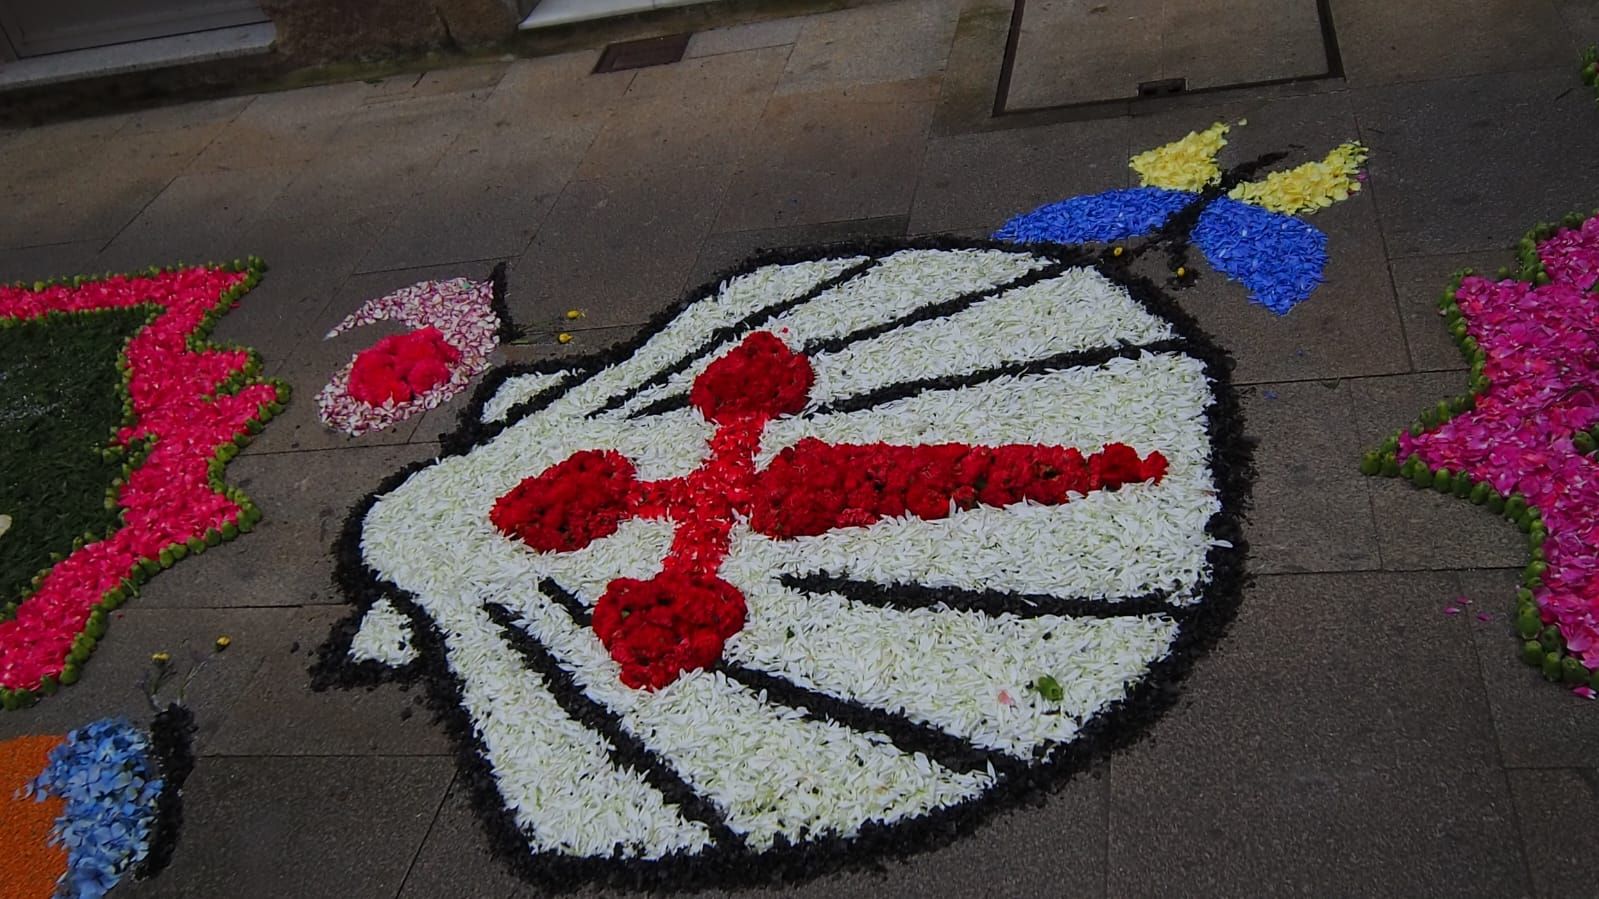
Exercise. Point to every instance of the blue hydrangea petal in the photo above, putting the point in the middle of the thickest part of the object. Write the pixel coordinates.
(104, 774)
(1097, 218)
(1279, 258)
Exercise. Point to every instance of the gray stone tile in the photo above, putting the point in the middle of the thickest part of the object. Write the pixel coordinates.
(738, 38)
(1555, 808)
(700, 112)
(197, 218)
(1330, 672)
(1224, 827)
(1311, 511)
(827, 156)
(983, 180)
(111, 681)
(308, 260)
(29, 264)
(882, 42)
(1384, 405)
(287, 128)
(1419, 282)
(308, 827)
(1386, 42)
(487, 214)
(42, 151)
(284, 716)
(285, 561)
(186, 116)
(618, 249)
(380, 158)
(1449, 165)
(723, 251)
(550, 89)
(1061, 841)
(1539, 724)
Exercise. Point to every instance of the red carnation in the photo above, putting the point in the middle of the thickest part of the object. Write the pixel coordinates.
(569, 505)
(672, 623)
(761, 376)
(401, 366)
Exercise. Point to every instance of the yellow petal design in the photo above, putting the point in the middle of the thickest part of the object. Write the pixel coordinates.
(1306, 188)
(1186, 164)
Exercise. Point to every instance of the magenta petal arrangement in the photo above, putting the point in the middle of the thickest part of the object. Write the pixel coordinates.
(187, 408)
(456, 325)
(1522, 441)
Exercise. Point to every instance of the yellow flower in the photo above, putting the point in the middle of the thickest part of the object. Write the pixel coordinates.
(1186, 164)
(1181, 271)
(574, 314)
(223, 642)
(160, 658)
(1306, 188)
(1116, 252)
(563, 337)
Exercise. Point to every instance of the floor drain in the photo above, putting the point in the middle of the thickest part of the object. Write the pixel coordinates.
(651, 51)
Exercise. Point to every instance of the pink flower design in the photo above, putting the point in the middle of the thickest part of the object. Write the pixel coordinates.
(170, 499)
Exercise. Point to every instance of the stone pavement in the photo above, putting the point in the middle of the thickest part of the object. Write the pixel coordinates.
(1346, 738)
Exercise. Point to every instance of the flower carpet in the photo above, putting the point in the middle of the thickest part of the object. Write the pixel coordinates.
(848, 549)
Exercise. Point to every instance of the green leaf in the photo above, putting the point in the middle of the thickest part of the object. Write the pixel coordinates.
(1049, 688)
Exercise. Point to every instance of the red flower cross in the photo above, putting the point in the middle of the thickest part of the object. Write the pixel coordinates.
(679, 619)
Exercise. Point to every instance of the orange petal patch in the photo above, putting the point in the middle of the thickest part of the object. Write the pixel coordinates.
(29, 866)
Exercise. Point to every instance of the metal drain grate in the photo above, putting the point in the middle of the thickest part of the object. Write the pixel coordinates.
(651, 51)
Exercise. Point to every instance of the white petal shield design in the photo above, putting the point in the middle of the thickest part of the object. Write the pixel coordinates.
(846, 549)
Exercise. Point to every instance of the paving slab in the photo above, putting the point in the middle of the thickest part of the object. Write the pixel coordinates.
(111, 681)
(196, 218)
(29, 264)
(738, 38)
(982, 180)
(1419, 282)
(834, 155)
(303, 827)
(283, 716)
(304, 500)
(486, 215)
(1310, 510)
(1554, 807)
(876, 43)
(696, 113)
(1539, 724)
(1470, 164)
(726, 250)
(1224, 827)
(380, 158)
(1386, 42)
(286, 128)
(1339, 672)
(548, 90)
(619, 249)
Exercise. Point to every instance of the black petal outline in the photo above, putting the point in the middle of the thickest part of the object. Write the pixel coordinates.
(987, 602)
(1120, 724)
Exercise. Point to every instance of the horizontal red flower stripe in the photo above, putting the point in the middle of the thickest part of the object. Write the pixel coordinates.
(168, 500)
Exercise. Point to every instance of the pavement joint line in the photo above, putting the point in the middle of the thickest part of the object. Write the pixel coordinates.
(437, 811)
(1341, 378)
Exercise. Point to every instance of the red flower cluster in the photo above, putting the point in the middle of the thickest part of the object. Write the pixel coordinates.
(814, 487)
(672, 623)
(402, 366)
(569, 505)
(761, 376)
(679, 620)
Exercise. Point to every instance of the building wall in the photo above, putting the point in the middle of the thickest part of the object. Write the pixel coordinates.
(313, 32)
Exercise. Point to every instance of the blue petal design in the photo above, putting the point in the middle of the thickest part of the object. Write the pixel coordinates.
(1100, 218)
(104, 773)
(1277, 257)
